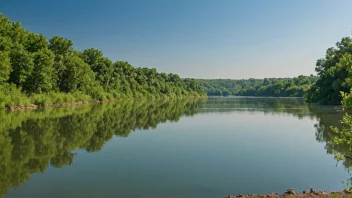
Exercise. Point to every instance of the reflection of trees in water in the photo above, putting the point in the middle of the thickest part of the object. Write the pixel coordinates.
(326, 116)
(31, 140)
(333, 133)
(334, 128)
(329, 129)
(343, 141)
(283, 106)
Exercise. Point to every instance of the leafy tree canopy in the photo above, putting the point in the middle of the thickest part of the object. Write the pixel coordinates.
(34, 69)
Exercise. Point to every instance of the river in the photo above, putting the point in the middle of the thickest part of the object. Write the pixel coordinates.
(170, 149)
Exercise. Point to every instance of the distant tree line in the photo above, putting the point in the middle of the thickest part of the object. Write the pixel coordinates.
(276, 87)
(36, 70)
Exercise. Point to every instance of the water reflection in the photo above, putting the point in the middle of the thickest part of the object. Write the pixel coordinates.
(333, 127)
(30, 141)
(339, 143)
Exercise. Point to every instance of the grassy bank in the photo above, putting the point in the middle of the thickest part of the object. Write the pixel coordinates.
(15, 100)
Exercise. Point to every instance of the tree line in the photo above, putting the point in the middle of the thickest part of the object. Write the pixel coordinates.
(275, 87)
(36, 70)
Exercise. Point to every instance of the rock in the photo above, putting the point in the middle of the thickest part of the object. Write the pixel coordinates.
(290, 192)
(241, 195)
(311, 190)
(305, 192)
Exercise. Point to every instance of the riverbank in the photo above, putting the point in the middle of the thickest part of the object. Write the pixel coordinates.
(305, 194)
(33, 106)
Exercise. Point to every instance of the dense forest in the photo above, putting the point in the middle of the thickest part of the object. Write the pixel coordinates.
(276, 87)
(40, 71)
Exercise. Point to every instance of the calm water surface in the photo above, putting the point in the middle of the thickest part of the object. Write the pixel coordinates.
(169, 149)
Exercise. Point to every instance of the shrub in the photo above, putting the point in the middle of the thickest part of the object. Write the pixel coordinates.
(81, 97)
(10, 95)
(40, 99)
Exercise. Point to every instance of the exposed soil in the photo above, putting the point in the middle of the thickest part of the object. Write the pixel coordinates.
(290, 193)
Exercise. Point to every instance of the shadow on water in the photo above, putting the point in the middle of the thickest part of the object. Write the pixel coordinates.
(30, 141)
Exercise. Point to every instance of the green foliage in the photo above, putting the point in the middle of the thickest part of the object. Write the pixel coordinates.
(347, 100)
(60, 46)
(334, 73)
(77, 76)
(22, 65)
(41, 99)
(81, 97)
(5, 66)
(41, 79)
(345, 135)
(10, 95)
(53, 72)
(276, 87)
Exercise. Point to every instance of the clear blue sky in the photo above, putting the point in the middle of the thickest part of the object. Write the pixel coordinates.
(196, 38)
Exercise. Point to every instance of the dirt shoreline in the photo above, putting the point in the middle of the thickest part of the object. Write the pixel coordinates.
(305, 194)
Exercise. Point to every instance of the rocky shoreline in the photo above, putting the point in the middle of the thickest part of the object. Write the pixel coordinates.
(291, 193)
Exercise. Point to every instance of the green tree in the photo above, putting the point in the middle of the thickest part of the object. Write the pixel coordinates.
(5, 66)
(332, 75)
(22, 65)
(77, 76)
(42, 78)
(62, 48)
